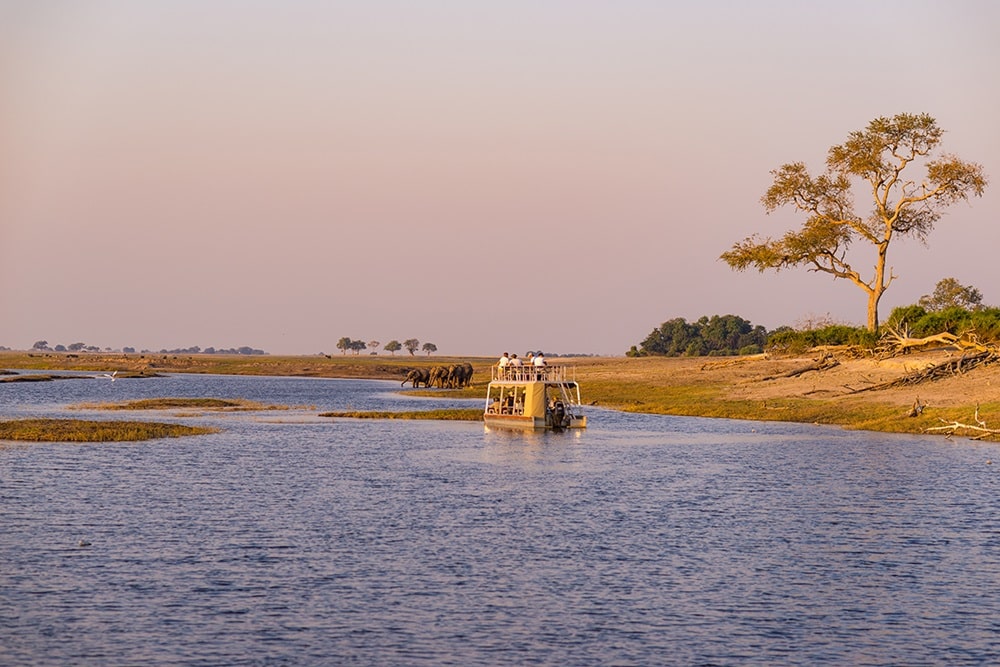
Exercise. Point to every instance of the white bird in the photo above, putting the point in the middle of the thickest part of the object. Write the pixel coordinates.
(110, 376)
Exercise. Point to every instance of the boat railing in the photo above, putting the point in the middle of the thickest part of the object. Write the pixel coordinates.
(547, 373)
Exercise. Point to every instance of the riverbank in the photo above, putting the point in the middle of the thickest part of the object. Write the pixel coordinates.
(754, 388)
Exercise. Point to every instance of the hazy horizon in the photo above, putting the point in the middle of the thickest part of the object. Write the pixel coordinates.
(483, 176)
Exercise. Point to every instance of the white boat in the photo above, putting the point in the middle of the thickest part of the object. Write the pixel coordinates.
(534, 398)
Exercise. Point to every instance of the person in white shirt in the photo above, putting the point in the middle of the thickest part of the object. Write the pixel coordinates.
(539, 363)
(502, 364)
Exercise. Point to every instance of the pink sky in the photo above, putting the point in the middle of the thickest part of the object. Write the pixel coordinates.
(484, 176)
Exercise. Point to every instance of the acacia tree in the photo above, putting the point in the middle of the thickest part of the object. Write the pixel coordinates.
(393, 346)
(876, 158)
(429, 347)
(411, 345)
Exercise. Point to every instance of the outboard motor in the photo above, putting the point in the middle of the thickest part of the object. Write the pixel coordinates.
(559, 417)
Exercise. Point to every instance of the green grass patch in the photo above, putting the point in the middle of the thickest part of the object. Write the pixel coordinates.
(80, 430)
(464, 414)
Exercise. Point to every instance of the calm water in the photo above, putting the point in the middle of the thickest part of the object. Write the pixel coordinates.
(288, 539)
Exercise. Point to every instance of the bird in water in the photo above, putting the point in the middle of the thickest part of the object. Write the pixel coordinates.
(110, 376)
(83, 543)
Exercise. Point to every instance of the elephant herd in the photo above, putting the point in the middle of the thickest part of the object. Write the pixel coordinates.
(442, 377)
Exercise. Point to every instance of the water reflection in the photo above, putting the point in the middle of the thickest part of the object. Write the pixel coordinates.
(292, 539)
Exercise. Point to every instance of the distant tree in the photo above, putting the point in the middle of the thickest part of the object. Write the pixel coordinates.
(715, 335)
(411, 345)
(76, 347)
(60, 348)
(429, 347)
(393, 346)
(373, 344)
(904, 205)
(949, 293)
(40, 345)
(357, 346)
(344, 344)
(131, 350)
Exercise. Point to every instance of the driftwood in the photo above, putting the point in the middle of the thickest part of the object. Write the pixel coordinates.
(936, 372)
(979, 431)
(711, 365)
(825, 362)
(897, 340)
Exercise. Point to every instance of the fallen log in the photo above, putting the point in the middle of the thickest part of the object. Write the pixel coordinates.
(827, 361)
(711, 365)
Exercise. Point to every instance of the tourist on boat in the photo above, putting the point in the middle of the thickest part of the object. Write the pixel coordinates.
(515, 365)
(539, 363)
(502, 365)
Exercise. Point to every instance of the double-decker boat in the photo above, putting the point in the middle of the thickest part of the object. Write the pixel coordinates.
(534, 398)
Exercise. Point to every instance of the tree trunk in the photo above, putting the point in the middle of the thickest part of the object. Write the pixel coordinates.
(873, 297)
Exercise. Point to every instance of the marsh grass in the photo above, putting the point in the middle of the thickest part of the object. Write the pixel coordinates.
(463, 414)
(233, 405)
(80, 430)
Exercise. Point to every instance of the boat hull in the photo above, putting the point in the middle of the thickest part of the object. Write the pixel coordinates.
(528, 423)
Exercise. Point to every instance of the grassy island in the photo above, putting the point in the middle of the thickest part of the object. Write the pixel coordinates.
(80, 430)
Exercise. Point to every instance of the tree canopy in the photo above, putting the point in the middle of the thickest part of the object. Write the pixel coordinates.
(949, 293)
(712, 336)
(904, 205)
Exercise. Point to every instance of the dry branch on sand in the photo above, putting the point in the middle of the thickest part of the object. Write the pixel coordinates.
(955, 366)
(734, 361)
(897, 340)
(821, 364)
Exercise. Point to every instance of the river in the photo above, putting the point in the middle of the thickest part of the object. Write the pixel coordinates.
(292, 539)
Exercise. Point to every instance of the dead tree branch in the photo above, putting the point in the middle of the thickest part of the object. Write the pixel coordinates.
(827, 361)
(979, 431)
(945, 369)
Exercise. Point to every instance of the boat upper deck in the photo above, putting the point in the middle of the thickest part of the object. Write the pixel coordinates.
(523, 374)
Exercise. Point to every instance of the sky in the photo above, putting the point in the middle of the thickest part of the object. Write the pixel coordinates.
(484, 176)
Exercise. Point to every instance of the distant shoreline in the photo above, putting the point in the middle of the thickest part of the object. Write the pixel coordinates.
(723, 387)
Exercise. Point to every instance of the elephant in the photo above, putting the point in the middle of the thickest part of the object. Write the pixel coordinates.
(460, 376)
(417, 376)
(438, 377)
